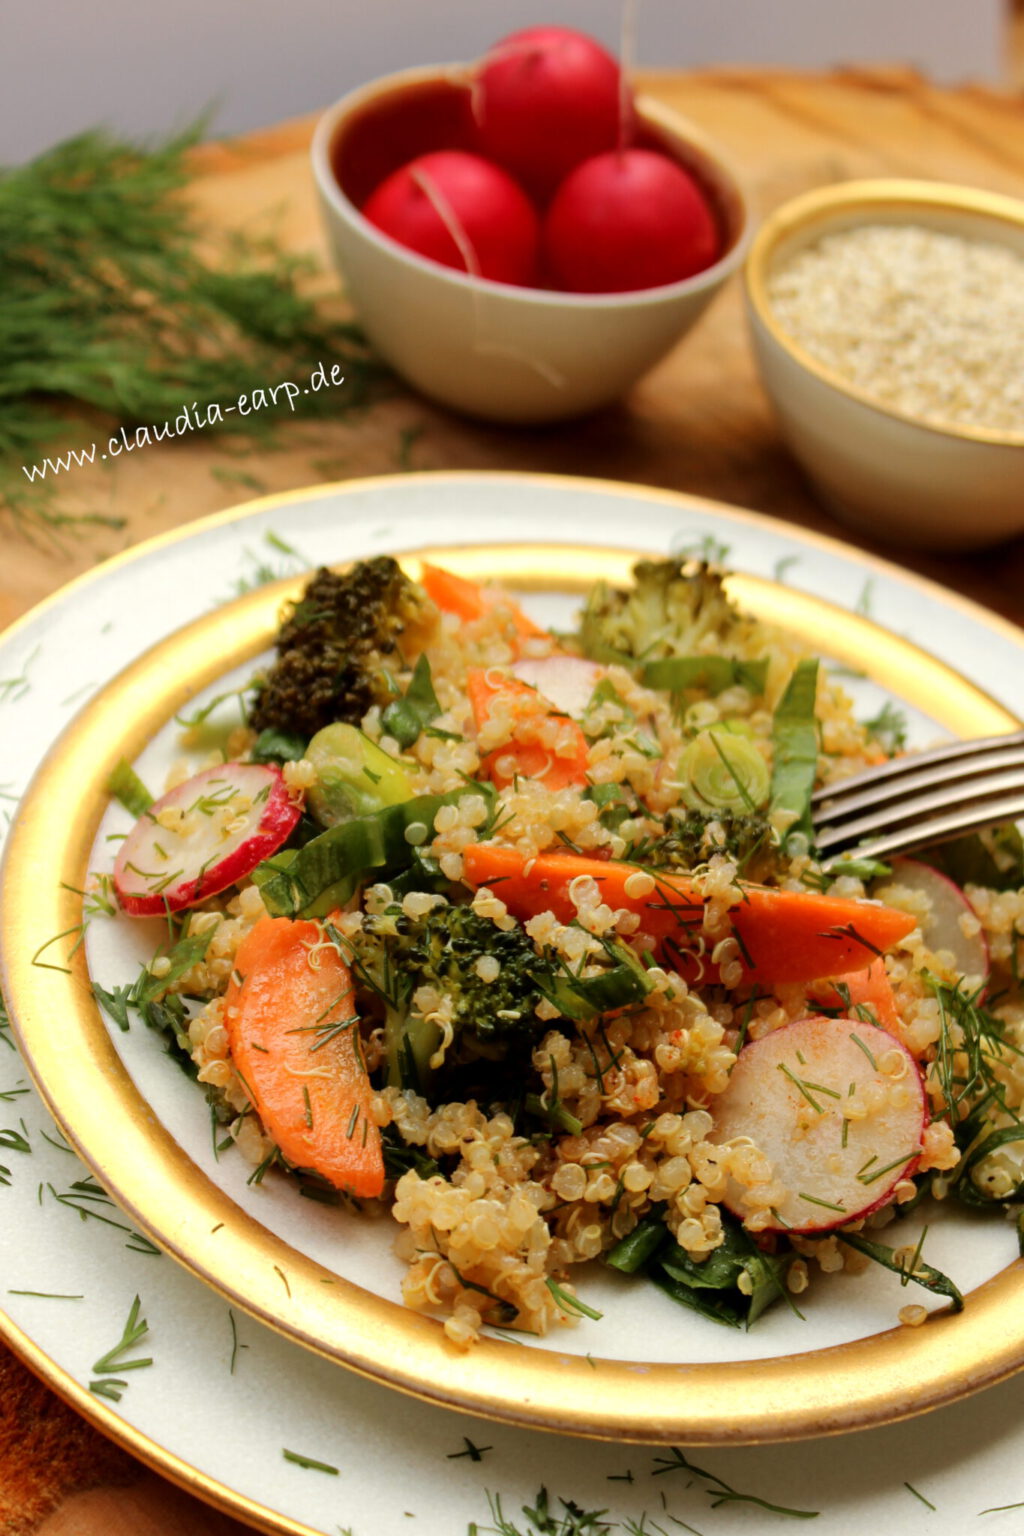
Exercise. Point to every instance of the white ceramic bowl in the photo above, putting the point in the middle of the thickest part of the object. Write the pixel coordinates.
(489, 349)
(880, 470)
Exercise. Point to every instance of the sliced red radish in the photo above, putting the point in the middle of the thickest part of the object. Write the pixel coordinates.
(199, 838)
(945, 927)
(838, 1109)
(567, 682)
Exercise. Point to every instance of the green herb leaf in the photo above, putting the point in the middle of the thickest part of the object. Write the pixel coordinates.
(126, 786)
(116, 1003)
(135, 1329)
(274, 746)
(722, 1492)
(309, 1463)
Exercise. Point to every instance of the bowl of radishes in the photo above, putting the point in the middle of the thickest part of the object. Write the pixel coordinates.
(521, 238)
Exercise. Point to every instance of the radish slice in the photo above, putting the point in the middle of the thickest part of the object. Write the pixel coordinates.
(943, 928)
(567, 682)
(837, 1108)
(208, 833)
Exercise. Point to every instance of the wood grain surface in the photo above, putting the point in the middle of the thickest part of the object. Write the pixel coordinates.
(698, 423)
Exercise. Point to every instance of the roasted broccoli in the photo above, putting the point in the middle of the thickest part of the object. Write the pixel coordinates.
(340, 646)
(690, 839)
(672, 608)
(456, 992)
(453, 986)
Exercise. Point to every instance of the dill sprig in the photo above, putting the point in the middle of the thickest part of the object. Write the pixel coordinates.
(970, 1051)
(721, 1492)
(109, 1382)
(112, 304)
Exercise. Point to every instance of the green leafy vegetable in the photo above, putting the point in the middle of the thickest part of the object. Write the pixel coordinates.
(917, 1270)
(325, 873)
(712, 674)
(405, 718)
(733, 1285)
(274, 746)
(795, 745)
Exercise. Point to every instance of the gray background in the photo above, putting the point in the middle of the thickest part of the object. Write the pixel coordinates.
(145, 67)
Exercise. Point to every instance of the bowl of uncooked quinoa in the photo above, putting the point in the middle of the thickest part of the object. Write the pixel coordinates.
(887, 319)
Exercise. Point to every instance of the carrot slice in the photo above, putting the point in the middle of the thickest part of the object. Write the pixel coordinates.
(868, 992)
(782, 935)
(454, 594)
(526, 755)
(285, 1011)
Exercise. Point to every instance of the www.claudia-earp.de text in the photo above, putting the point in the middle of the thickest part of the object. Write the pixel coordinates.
(191, 418)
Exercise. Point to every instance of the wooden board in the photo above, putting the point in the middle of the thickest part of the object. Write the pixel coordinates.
(699, 422)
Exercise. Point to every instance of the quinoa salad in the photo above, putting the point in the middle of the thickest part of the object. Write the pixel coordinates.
(522, 936)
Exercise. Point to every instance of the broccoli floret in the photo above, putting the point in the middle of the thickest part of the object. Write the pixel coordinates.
(453, 986)
(671, 609)
(690, 840)
(459, 995)
(340, 645)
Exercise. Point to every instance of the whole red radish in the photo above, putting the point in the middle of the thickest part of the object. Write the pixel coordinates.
(546, 99)
(626, 220)
(460, 210)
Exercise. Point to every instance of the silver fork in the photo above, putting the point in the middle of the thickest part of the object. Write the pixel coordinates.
(922, 798)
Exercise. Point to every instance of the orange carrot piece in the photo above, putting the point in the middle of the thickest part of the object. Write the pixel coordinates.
(308, 1085)
(530, 710)
(454, 594)
(782, 935)
(869, 989)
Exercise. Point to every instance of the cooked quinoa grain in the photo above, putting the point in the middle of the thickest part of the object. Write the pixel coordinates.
(547, 1078)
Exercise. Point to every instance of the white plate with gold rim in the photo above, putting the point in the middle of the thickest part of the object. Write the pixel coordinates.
(145, 1132)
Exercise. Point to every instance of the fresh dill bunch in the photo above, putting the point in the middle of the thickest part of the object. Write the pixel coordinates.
(110, 304)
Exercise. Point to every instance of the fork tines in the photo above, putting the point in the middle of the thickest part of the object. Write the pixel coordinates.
(925, 797)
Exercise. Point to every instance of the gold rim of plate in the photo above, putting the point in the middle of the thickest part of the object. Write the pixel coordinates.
(881, 1378)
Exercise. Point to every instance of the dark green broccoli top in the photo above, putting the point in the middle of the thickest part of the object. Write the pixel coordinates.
(340, 645)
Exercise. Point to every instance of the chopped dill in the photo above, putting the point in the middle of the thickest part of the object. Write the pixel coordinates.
(108, 1366)
(106, 288)
(309, 1463)
(911, 1489)
(569, 1303)
(474, 1452)
(722, 1492)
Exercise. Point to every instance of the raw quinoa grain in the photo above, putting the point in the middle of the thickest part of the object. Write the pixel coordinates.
(928, 323)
